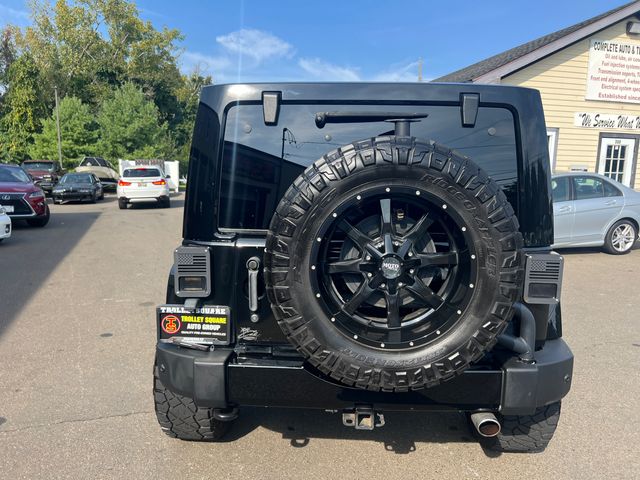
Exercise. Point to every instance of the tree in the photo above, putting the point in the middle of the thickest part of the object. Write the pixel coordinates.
(23, 109)
(129, 126)
(7, 57)
(188, 96)
(78, 130)
(89, 47)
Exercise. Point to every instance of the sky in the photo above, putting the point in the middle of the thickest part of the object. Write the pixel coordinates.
(346, 40)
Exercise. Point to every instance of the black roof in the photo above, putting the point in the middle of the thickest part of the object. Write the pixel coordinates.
(468, 74)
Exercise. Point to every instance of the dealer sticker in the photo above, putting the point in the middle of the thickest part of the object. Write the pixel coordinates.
(207, 325)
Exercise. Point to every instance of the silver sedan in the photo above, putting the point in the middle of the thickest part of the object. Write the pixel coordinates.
(591, 210)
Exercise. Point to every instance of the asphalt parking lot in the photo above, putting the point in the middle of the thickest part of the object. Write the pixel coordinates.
(77, 337)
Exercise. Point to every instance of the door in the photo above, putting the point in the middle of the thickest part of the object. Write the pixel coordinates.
(595, 208)
(617, 158)
(563, 210)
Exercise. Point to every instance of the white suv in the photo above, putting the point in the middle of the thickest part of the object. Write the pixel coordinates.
(5, 224)
(143, 184)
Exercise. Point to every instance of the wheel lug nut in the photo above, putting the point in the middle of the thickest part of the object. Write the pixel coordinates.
(412, 271)
(400, 284)
(410, 254)
(369, 274)
(368, 257)
(382, 285)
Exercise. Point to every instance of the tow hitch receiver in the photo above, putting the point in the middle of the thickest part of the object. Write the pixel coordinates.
(362, 418)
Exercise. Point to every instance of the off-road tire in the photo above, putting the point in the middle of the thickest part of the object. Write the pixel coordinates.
(339, 175)
(608, 240)
(40, 221)
(179, 417)
(525, 433)
(122, 204)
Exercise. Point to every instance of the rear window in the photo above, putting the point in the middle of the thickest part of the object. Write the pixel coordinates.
(260, 162)
(142, 172)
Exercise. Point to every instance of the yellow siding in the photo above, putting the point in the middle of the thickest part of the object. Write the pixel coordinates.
(562, 81)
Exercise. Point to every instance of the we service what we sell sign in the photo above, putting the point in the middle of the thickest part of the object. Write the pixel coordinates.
(611, 121)
(614, 72)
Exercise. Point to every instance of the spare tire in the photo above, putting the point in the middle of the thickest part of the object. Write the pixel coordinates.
(393, 263)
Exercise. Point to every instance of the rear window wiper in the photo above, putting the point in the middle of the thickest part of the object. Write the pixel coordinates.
(400, 119)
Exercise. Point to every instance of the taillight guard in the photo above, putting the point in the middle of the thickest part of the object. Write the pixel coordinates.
(543, 278)
(192, 272)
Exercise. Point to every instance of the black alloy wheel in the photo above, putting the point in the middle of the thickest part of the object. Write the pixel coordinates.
(394, 271)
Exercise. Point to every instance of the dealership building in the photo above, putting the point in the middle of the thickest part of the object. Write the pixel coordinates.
(589, 78)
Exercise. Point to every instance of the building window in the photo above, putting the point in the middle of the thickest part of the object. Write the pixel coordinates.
(616, 159)
(552, 140)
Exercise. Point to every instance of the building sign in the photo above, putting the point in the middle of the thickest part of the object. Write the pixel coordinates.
(611, 121)
(614, 72)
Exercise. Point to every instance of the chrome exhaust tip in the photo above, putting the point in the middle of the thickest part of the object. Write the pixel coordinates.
(486, 424)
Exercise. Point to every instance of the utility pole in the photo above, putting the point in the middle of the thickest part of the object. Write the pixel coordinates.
(420, 69)
(55, 89)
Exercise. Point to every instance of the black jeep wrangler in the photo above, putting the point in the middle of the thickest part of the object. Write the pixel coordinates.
(366, 247)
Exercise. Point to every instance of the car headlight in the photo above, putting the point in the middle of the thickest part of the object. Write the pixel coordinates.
(2, 210)
(36, 194)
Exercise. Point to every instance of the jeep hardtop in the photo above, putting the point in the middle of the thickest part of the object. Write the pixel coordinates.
(362, 248)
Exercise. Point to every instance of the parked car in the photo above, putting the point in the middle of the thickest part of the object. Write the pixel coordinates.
(406, 265)
(101, 169)
(45, 173)
(78, 187)
(5, 224)
(21, 198)
(591, 210)
(143, 184)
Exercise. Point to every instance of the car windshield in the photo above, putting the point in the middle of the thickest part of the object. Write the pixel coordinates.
(76, 178)
(11, 174)
(38, 166)
(142, 172)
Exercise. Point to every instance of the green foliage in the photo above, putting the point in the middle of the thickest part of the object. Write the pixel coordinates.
(129, 126)
(90, 49)
(22, 110)
(78, 131)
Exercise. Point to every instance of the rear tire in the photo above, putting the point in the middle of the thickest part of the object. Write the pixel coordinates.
(180, 418)
(526, 433)
(164, 202)
(621, 238)
(122, 204)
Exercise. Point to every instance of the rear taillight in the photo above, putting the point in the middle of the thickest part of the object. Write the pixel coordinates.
(159, 182)
(122, 183)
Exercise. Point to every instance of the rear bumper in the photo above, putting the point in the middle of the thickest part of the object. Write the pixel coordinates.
(143, 194)
(217, 379)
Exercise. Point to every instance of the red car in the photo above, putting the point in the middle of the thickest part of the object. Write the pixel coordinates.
(21, 198)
